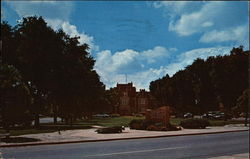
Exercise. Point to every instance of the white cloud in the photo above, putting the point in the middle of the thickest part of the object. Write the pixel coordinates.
(113, 67)
(188, 18)
(188, 57)
(216, 20)
(240, 34)
(47, 9)
(72, 31)
(142, 79)
(129, 60)
(174, 8)
(157, 52)
(118, 62)
(207, 24)
(56, 14)
(198, 21)
(3, 13)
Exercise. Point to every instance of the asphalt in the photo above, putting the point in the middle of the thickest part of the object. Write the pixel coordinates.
(206, 146)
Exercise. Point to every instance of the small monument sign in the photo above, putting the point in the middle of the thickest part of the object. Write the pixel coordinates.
(161, 114)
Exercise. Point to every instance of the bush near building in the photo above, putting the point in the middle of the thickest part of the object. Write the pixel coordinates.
(151, 126)
(114, 129)
(195, 123)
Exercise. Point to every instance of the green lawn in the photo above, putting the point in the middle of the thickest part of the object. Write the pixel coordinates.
(84, 124)
(26, 131)
(222, 122)
(44, 128)
(114, 121)
(177, 121)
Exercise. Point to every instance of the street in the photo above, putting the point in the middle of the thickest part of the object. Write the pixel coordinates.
(193, 147)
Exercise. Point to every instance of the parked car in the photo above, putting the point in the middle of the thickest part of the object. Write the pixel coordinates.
(217, 115)
(101, 115)
(188, 115)
(204, 116)
(138, 115)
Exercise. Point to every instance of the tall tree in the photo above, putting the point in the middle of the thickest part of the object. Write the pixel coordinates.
(15, 97)
(242, 104)
(206, 84)
(56, 67)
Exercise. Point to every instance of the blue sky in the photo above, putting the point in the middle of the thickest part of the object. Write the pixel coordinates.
(145, 40)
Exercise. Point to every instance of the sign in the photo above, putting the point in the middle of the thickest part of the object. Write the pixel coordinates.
(161, 114)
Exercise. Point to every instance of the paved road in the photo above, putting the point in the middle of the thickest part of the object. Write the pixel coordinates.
(182, 147)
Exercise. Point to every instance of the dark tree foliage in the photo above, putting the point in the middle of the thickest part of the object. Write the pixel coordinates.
(212, 84)
(57, 69)
(15, 97)
(243, 105)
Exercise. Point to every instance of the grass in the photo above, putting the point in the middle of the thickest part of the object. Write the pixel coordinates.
(26, 131)
(116, 121)
(84, 124)
(18, 140)
(107, 122)
(43, 129)
(177, 122)
(222, 122)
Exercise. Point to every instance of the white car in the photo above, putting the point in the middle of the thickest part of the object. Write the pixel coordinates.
(101, 115)
(188, 115)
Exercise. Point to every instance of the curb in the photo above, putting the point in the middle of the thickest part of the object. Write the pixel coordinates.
(94, 140)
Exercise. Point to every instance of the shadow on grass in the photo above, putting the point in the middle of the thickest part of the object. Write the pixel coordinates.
(18, 140)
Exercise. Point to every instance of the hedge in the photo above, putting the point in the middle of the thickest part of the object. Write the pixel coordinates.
(195, 123)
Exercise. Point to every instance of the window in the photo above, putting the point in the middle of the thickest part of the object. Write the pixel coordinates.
(125, 93)
(142, 101)
(124, 101)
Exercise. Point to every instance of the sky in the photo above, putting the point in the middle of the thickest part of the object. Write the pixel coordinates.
(143, 40)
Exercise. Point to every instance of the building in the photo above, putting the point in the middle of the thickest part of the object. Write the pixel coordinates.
(132, 102)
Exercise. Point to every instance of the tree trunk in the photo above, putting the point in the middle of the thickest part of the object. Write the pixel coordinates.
(71, 121)
(55, 119)
(55, 114)
(246, 116)
(37, 122)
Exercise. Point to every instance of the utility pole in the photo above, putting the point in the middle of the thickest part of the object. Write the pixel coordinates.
(126, 78)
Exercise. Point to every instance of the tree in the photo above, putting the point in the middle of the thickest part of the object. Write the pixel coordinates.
(110, 101)
(9, 54)
(57, 69)
(242, 104)
(37, 50)
(205, 85)
(201, 85)
(15, 97)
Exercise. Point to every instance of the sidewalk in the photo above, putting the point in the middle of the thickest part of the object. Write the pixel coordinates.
(89, 135)
(236, 156)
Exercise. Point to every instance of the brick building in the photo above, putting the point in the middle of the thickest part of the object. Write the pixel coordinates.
(132, 102)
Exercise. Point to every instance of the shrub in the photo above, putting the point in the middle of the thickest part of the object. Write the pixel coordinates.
(173, 128)
(135, 123)
(140, 124)
(115, 115)
(146, 123)
(152, 128)
(159, 124)
(195, 123)
(114, 129)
